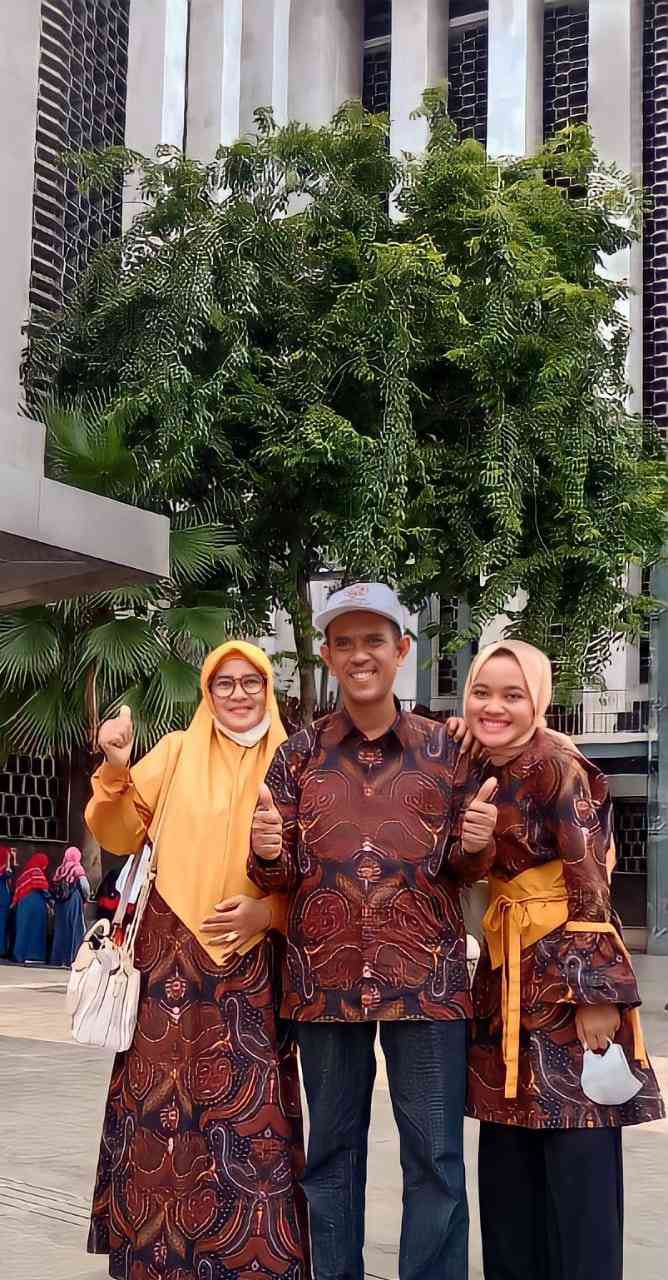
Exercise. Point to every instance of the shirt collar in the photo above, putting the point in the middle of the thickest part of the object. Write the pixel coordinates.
(340, 726)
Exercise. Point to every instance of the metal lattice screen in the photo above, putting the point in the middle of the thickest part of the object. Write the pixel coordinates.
(448, 683)
(565, 66)
(376, 83)
(655, 242)
(630, 818)
(33, 804)
(467, 75)
(81, 104)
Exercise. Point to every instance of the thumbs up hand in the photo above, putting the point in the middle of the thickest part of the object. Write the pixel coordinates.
(116, 738)
(480, 819)
(267, 828)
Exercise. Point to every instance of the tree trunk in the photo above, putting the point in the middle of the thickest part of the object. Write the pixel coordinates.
(92, 859)
(301, 618)
(81, 765)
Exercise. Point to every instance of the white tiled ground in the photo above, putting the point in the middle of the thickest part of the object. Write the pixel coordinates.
(53, 1096)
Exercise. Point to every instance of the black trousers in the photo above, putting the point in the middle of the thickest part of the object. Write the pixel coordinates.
(551, 1203)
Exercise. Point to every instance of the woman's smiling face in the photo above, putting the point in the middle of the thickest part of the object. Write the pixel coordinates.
(239, 706)
(499, 709)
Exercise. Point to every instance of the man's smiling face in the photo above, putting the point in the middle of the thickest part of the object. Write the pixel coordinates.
(364, 651)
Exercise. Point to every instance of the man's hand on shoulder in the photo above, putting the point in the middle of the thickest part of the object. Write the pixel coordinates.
(457, 729)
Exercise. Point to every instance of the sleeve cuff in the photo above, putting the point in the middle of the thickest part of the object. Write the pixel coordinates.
(114, 777)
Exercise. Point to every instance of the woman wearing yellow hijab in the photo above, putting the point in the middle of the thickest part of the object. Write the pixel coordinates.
(554, 979)
(202, 1140)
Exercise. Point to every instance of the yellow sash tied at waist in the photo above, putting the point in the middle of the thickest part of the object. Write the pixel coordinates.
(522, 911)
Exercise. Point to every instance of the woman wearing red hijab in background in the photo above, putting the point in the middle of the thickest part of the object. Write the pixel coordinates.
(30, 904)
(554, 979)
(6, 878)
(70, 890)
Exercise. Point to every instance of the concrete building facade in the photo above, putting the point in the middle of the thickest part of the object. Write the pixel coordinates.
(62, 82)
(191, 72)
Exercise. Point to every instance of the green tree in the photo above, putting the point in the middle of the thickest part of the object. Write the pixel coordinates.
(439, 399)
(253, 339)
(540, 483)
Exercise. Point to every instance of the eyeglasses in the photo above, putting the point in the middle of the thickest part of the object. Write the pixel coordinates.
(225, 686)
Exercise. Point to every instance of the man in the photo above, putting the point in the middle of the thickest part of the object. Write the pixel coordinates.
(371, 819)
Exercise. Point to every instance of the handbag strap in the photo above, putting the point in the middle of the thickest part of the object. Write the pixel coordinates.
(119, 914)
(147, 883)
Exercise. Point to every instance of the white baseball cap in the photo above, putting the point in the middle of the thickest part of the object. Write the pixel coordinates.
(367, 597)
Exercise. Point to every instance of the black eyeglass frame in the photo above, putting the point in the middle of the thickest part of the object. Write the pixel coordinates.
(233, 681)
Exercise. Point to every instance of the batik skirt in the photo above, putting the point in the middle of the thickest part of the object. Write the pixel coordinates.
(202, 1143)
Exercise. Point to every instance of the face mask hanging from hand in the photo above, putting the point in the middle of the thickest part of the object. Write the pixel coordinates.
(607, 1078)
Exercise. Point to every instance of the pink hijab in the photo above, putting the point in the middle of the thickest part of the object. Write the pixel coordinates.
(70, 869)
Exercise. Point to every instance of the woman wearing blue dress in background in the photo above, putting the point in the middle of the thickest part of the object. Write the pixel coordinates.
(30, 904)
(70, 891)
(6, 879)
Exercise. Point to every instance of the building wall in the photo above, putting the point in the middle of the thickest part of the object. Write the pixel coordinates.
(81, 94)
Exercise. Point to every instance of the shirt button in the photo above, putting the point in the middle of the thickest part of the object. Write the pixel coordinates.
(366, 845)
(368, 791)
(366, 971)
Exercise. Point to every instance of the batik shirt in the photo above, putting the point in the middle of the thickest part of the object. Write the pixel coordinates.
(553, 804)
(372, 858)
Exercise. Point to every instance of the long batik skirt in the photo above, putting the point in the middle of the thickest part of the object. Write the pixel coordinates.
(202, 1143)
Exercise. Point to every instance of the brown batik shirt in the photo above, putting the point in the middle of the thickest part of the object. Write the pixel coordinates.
(553, 804)
(372, 859)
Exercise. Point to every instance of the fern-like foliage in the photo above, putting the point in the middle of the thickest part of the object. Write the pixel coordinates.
(297, 380)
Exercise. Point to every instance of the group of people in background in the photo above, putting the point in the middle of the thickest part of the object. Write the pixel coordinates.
(42, 920)
(308, 894)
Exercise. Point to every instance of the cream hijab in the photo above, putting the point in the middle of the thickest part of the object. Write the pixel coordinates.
(537, 671)
(203, 799)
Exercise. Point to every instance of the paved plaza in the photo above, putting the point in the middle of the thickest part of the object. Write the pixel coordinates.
(53, 1096)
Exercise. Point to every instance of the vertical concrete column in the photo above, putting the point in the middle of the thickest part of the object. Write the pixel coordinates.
(214, 75)
(156, 98)
(657, 832)
(419, 62)
(515, 77)
(326, 54)
(265, 59)
(615, 58)
(615, 116)
(19, 63)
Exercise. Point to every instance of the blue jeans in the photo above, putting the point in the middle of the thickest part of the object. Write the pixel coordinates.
(426, 1069)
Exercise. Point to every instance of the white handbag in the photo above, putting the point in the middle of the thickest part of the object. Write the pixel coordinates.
(103, 991)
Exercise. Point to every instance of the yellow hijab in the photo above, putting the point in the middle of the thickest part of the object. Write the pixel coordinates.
(537, 671)
(204, 802)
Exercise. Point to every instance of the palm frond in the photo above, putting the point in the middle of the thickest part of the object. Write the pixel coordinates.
(50, 722)
(173, 692)
(86, 445)
(30, 645)
(199, 627)
(121, 649)
(199, 550)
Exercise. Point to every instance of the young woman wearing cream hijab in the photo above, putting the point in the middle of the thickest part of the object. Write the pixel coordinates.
(202, 1140)
(553, 979)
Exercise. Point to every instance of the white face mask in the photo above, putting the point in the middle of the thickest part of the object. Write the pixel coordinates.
(607, 1078)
